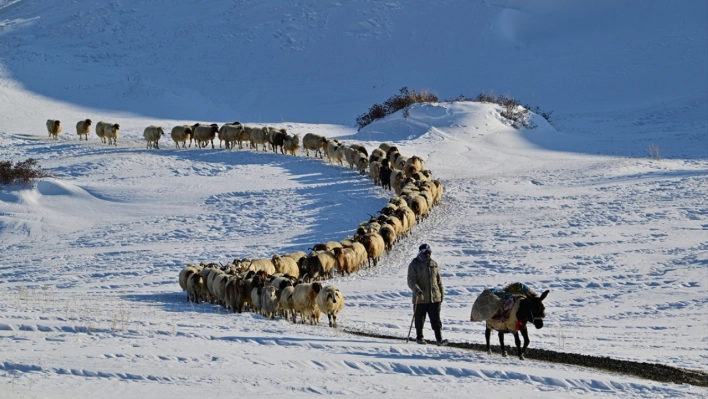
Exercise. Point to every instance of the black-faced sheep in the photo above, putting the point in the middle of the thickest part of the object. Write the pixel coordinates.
(330, 301)
(182, 134)
(413, 165)
(54, 128)
(376, 155)
(305, 302)
(83, 128)
(152, 135)
(319, 264)
(108, 132)
(203, 134)
(195, 287)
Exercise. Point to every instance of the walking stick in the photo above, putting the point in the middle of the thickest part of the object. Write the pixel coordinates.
(415, 306)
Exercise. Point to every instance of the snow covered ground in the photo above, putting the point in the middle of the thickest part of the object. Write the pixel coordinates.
(89, 299)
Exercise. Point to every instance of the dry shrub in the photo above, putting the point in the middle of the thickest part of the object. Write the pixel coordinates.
(22, 172)
(400, 101)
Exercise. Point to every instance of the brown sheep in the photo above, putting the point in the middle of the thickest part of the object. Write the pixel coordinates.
(346, 260)
(83, 128)
(54, 128)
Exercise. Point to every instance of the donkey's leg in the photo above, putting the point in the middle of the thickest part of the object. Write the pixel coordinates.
(501, 343)
(487, 335)
(525, 334)
(518, 345)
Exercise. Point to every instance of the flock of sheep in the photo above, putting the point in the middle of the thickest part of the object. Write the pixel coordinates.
(290, 284)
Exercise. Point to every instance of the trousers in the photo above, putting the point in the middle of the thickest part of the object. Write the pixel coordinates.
(433, 311)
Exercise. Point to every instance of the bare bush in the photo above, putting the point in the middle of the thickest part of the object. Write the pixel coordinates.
(400, 101)
(23, 172)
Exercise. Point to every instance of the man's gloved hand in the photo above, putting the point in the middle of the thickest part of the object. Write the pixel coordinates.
(418, 292)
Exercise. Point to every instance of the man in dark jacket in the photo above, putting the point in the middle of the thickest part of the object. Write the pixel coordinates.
(428, 292)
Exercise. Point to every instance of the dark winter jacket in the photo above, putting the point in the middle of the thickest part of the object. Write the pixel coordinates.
(426, 277)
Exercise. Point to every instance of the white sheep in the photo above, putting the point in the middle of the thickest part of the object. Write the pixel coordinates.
(152, 135)
(269, 301)
(413, 165)
(375, 172)
(330, 301)
(230, 133)
(286, 303)
(54, 128)
(377, 155)
(195, 287)
(264, 264)
(285, 265)
(259, 136)
(305, 302)
(313, 142)
(83, 128)
(185, 273)
(182, 134)
(108, 132)
(291, 145)
(203, 134)
(296, 255)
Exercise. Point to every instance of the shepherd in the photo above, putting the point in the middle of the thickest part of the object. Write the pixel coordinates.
(428, 293)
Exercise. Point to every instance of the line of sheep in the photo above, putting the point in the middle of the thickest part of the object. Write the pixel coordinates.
(288, 284)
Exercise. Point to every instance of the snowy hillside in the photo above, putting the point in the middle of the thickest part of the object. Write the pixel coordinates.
(89, 259)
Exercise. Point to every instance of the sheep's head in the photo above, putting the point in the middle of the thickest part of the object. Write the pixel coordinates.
(88, 122)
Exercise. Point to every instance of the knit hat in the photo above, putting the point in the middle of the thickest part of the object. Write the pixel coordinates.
(425, 248)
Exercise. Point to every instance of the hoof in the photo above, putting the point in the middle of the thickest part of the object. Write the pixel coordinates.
(521, 357)
(489, 352)
(503, 354)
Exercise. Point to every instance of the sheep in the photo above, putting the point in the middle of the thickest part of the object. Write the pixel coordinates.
(330, 301)
(292, 144)
(259, 136)
(375, 172)
(276, 138)
(296, 255)
(256, 299)
(388, 234)
(180, 134)
(83, 128)
(304, 301)
(243, 135)
(185, 273)
(195, 287)
(404, 212)
(419, 206)
(230, 133)
(217, 286)
(54, 128)
(269, 301)
(346, 260)
(361, 162)
(374, 245)
(413, 165)
(385, 173)
(360, 251)
(331, 150)
(317, 264)
(396, 181)
(245, 286)
(313, 142)
(400, 163)
(107, 132)
(339, 154)
(376, 155)
(438, 195)
(232, 294)
(152, 135)
(285, 265)
(262, 264)
(286, 302)
(203, 134)
(385, 147)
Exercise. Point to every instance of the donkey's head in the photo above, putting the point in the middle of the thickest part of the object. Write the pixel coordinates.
(536, 309)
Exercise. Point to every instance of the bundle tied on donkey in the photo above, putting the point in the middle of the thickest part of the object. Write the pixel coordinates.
(508, 310)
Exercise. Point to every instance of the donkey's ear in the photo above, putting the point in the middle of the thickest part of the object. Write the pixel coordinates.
(545, 293)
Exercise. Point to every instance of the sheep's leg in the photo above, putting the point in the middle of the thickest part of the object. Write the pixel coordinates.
(487, 335)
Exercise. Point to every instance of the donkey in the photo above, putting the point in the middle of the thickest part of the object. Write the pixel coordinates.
(527, 308)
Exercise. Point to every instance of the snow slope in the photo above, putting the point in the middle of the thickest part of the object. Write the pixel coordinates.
(89, 300)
